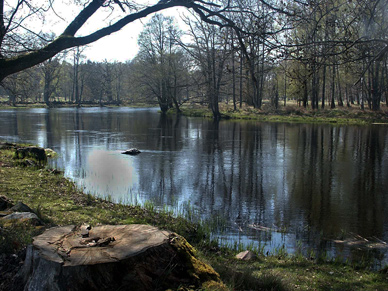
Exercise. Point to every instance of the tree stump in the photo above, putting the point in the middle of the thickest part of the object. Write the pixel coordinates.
(112, 257)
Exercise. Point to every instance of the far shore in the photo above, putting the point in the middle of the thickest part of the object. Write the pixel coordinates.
(291, 113)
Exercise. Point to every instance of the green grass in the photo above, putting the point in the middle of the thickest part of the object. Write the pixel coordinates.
(273, 273)
(58, 202)
(293, 114)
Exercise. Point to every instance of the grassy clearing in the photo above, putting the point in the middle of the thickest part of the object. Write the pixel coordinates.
(293, 113)
(58, 202)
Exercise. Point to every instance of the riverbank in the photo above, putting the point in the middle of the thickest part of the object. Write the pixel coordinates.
(57, 201)
(5, 105)
(293, 113)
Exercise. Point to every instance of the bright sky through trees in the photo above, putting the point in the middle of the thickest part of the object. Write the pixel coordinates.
(120, 46)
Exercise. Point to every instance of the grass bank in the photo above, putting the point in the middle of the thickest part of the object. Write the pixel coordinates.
(57, 201)
(293, 113)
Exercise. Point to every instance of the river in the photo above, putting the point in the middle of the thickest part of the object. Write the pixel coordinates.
(277, 186)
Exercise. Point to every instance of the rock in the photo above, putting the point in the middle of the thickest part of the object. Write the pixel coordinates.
(50, 153)
(5, 213)
(36, 153)
(21, 207)
(55, 171)
(246, 255)
(23, 217)
(114, 257)
(5, 203)
(131, 152)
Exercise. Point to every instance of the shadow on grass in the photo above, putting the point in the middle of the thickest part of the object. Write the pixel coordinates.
(248, 278)
(269, 273)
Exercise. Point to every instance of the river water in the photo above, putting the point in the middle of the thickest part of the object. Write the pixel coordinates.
(321, 189)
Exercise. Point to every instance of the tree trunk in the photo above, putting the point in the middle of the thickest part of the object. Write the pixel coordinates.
(362, 94)
(347, 96)
(386, 98)
(376, 88)
(332, 105)
(305, 93)
(112, 257)
(241, 78)
(46, 91)
(340, 100)
(234, 75)
(385, 83)
(12, 99)
(285, 86)
(163, 106)
(323, 86)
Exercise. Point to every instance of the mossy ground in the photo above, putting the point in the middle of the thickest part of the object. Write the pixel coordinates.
(58, 202)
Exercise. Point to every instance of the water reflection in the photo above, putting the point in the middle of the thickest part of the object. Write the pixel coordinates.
(108, 172)
(271, 184)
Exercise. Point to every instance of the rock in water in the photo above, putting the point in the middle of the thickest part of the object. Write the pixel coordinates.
(113, 257)
(131, 152)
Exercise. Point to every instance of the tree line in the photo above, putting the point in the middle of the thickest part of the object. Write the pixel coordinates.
(320, 53)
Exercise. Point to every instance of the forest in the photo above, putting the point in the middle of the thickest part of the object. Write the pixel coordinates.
(320, 54)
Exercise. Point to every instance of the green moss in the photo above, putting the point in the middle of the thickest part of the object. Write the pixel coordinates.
(198, 269)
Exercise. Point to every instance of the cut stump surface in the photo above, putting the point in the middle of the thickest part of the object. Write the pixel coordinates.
(104, 244)
(113, 257)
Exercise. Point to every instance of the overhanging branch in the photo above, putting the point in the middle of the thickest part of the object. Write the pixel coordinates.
(67, 39)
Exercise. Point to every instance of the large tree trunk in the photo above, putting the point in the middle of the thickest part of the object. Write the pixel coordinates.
(323, 86)
(112, 257)
(241, 78)
(234, 75)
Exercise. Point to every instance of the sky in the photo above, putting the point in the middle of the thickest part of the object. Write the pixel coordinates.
(120, 46)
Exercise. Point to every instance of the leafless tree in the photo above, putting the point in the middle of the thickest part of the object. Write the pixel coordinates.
(19, 51)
